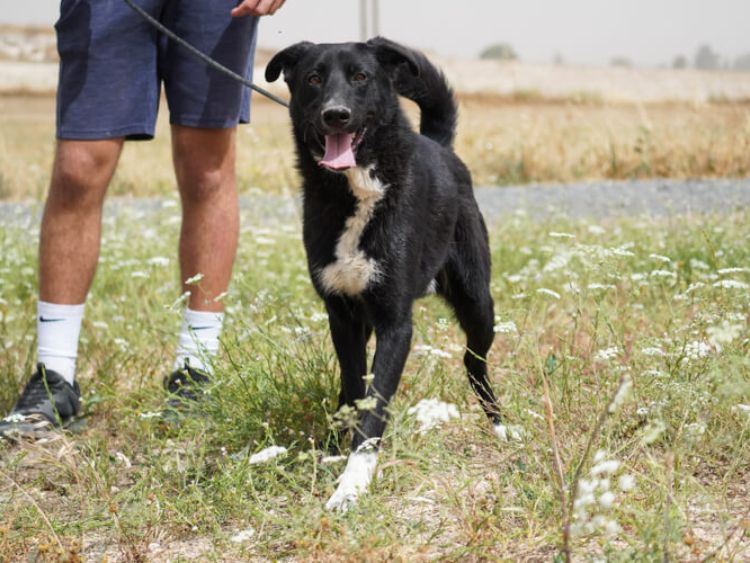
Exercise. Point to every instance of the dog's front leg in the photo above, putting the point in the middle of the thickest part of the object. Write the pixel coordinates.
(391, 350)
(350, 332)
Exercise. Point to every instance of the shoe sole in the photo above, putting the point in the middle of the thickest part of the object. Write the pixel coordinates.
(33, 432)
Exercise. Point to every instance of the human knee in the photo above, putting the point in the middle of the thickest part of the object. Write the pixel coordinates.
(81, 175)
(202, 184)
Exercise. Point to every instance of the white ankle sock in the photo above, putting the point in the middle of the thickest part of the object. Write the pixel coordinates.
(58, 328)
(199, 339)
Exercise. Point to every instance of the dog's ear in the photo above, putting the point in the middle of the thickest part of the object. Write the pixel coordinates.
(391, 55)
(286, 59)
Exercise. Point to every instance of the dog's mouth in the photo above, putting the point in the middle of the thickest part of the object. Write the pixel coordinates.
(340, 150)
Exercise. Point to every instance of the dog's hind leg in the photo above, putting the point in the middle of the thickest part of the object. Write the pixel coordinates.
(465, 284)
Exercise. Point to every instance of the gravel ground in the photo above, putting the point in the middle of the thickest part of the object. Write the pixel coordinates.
(597, 200)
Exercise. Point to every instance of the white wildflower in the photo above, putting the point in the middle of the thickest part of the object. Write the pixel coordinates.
(662, 274)
(194, 279)
(508, 327)
(558, 261)
(427, 350)
(139, 274)
(366, 404)
(329, 459)
(724, 333)
(695, 429)
(660, 258)
(652, 351)
(606, 354)
(554, 234)
(549, 292)
(726, 271)
(731, 284)
(596, 230)
(622, 394)
(147, 415)
(242, 536)
(607, 499)
(740, 408)
(653, 432)
(123, 459)
(158, 261)
(626, 482)
(693, 286)
(696, 264)
(267, 454)
(612, 528)
(602, 286)
(696, 350)
(605, 467)
(432, 412)
(507, 432)
(623, 251)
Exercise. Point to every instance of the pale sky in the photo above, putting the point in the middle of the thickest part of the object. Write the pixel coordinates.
(649, 32)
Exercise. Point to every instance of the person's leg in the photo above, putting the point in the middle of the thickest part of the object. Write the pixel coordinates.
(69, 246)
(204, 166)
(71, 224)
(205, 107)
(68, 253)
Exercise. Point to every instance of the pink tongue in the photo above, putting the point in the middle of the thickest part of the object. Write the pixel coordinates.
(339, 154)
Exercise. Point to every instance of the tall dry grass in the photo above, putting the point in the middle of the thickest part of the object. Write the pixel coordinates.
(504, 141)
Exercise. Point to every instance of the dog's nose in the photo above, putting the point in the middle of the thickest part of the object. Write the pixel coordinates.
(336, 116)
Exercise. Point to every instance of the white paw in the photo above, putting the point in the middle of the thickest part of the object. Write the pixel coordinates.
(353, 481)
(508, 432)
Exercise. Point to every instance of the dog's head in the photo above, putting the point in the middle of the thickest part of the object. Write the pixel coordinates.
(340, 93)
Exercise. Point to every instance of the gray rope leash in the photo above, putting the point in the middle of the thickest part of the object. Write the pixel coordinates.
(205, 58)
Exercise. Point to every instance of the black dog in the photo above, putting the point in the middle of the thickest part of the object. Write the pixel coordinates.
(389, 214)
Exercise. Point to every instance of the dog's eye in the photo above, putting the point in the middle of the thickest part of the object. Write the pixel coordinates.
(314, 79)
(359, 77)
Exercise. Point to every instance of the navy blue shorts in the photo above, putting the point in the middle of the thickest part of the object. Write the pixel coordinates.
(112, 65)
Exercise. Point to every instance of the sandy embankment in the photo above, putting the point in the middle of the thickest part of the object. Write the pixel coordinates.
(490, 77)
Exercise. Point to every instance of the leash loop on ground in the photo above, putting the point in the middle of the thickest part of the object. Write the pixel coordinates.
(201, 55)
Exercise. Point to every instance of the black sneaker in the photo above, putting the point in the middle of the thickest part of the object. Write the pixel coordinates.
(47, 402)
(186, 387)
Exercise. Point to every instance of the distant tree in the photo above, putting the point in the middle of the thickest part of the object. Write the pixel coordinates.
(680, 62)
(621, 62)
(706, 58)
(742, 62)
(558, 59)
(499, 51)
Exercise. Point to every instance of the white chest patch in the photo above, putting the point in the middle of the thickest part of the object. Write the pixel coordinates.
(352, 270)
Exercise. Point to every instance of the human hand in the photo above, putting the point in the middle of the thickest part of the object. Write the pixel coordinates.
(257, 8)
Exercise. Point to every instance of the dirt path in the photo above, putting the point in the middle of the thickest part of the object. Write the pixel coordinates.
(594, 200)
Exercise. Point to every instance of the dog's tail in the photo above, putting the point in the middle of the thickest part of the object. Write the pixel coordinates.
(433, 95)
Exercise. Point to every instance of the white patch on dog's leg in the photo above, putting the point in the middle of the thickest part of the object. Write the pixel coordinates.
(507, 433)
(354, 480)
(431, 288)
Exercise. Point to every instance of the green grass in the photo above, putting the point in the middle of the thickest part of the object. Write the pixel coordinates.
(635, 298)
